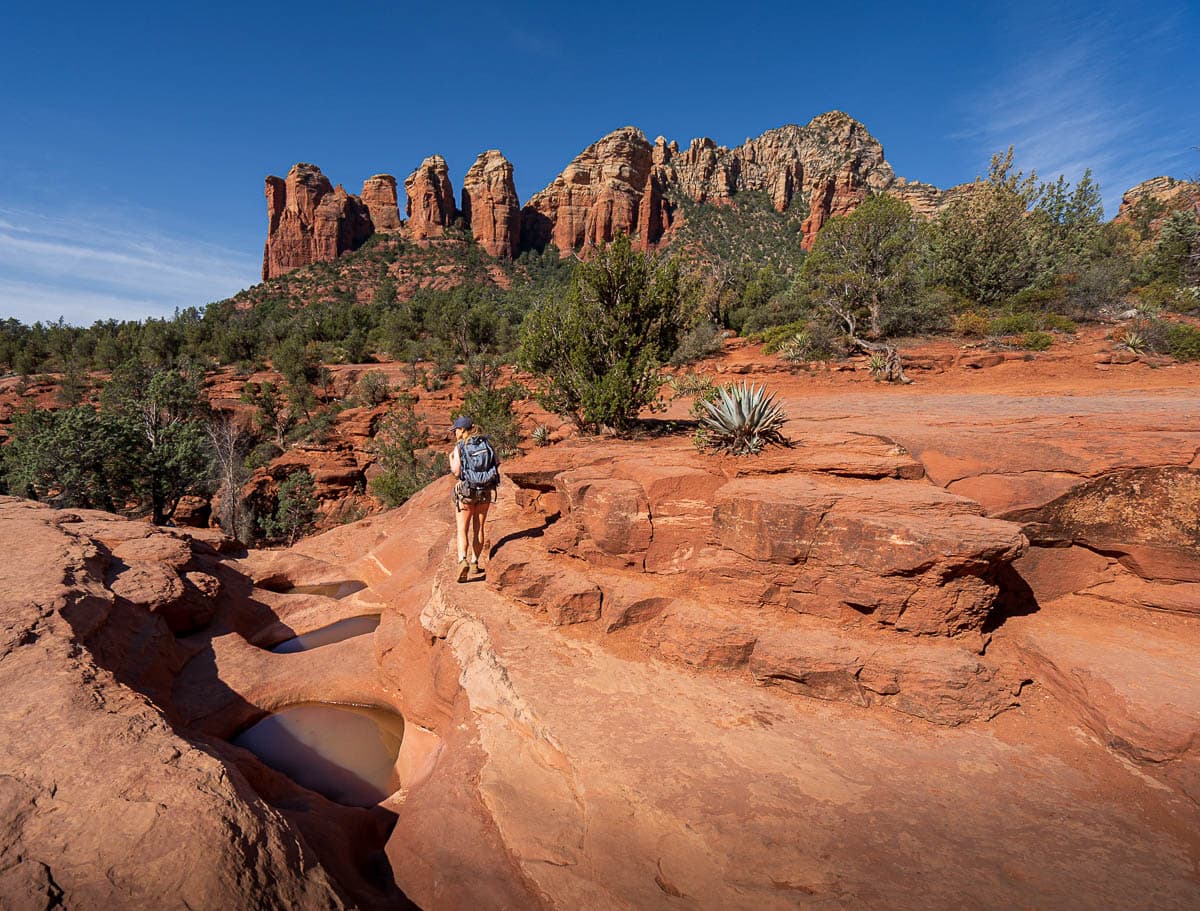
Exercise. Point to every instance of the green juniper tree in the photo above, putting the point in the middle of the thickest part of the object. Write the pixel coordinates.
(863, 267)
(601, 345)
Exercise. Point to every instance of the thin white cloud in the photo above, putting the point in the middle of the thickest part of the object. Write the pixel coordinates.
(88, 268)
(1067, 103)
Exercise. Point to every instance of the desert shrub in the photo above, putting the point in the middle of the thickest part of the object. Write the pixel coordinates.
(1101, 286)
(701, 341)
(1152, 333)
(262, 455)
(685, 385)
(741, 420)
(922, 313)
(1160, 295)
(601, 345)
(1183, 341)
(295, 510)
(492, 412)
(404, 466)
(1055, 322)
(774, 336)
(374, 388)
(1039, 300)
(1014, 324)
(318, 428)
(540, 435)
(796, 348)
(1037, 341)
(970, 325)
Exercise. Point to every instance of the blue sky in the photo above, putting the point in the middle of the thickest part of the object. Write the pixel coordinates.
(136, 136)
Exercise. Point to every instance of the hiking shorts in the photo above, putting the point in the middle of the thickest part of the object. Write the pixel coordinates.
(465, 494)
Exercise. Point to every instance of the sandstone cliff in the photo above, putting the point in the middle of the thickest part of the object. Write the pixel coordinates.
(831, 164)
(308, 221)
(599, 195)
(490, 205)
(430, 199)
(379, 195)
(619, 184)
(1149, 204)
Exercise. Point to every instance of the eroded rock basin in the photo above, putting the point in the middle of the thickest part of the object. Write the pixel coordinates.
(345, 752)
(328, 635)
(335, 590)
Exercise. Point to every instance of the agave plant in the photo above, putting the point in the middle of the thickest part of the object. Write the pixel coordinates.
(796, 348)
(878, 366)
(742, 419)
(540, 435)
(1134, 341)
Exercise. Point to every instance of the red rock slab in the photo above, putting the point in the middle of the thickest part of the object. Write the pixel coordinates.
(1054, 571)
(852, 455)
(937, 681)
(702, 635)
(610, 516)
(1132, 676)
(1173, 597)
(105, 804)
(777, 520)
(619, 782)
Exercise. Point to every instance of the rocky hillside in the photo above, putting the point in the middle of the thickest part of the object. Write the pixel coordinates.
(946, 636)
(622, 183)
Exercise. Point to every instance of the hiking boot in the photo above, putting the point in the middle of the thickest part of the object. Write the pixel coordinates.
(464, 570)
(477, 570)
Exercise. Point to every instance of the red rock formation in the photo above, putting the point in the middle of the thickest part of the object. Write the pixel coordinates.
(379, 196)
(490, 205)
(310, 221)
(430, 199)
(1153, 201)
(598, 196)
(831, 164)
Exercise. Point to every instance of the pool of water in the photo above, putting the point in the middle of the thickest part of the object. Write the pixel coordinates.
(341, 589)
(345, 752)
(327, 635)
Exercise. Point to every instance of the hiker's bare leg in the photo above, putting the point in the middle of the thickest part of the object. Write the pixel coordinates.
(479, 513)
(462, 518)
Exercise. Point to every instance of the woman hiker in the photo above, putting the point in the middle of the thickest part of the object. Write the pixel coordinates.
(474, 463)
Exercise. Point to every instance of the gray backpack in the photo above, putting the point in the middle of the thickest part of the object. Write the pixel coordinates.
(478, 465)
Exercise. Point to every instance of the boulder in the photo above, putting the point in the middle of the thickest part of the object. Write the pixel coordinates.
(906, 555)
(937, 681)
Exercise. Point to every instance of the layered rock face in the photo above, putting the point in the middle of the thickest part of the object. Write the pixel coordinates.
(308, 221)
(490, 205)
(621, 184)
(599, 195)
(379, 196)
(1151, 202)
(831, 163)
(431, 206)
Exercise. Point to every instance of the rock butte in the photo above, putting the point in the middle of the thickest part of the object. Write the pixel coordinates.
(621, 183)
(934, 655)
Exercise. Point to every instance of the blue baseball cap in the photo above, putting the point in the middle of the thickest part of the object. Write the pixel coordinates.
(463, 423)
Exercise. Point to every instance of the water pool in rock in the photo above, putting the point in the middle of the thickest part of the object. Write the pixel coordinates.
(327, 635)
(345, 752)
(334, 590)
